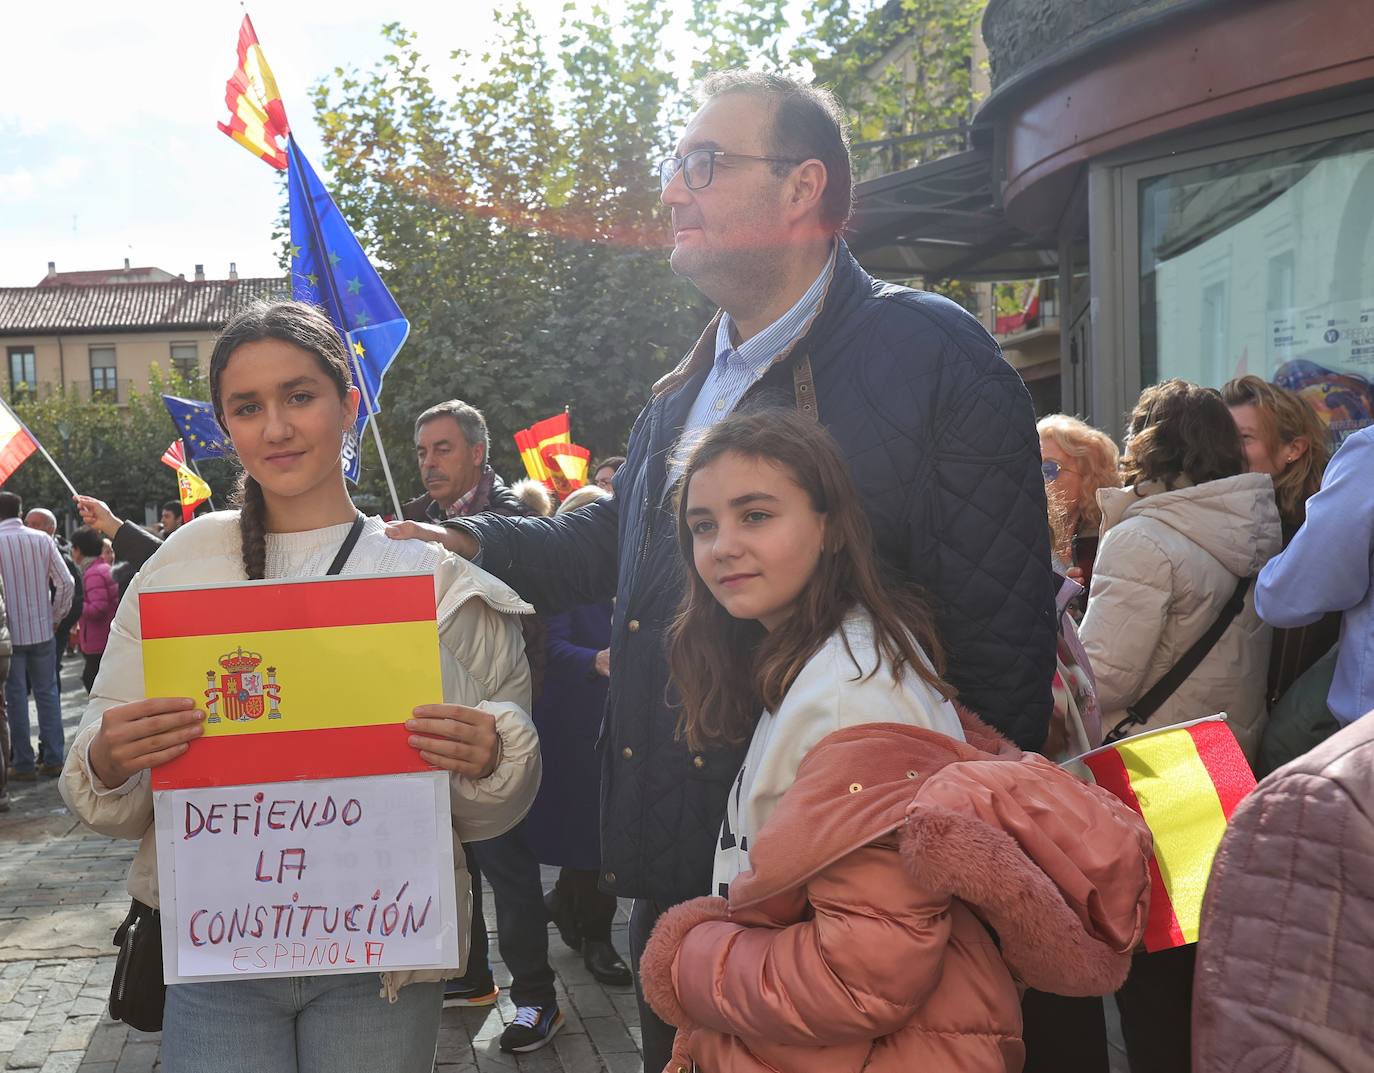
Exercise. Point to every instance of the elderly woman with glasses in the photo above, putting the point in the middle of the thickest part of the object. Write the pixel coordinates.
(1077, 461)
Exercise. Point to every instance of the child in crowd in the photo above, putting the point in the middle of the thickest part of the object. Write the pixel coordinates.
(281, 389)
(890, 869)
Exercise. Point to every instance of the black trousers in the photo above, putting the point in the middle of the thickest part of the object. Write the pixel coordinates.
(1064, 1035)
(1156, 1004)
(521, 919)
(593, 907)
(657, 1035)
(91, 669)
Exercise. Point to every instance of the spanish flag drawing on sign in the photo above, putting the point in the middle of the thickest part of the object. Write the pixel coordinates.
(1185, 781)
(304, 679)
(257, 118)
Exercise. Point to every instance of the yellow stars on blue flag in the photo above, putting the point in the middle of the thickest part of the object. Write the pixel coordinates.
(199, 431)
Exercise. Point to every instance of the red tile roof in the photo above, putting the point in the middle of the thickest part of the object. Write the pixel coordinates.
(128, 307)
(91, 278)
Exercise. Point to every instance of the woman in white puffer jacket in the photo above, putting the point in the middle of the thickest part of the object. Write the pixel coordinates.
(1191, 523)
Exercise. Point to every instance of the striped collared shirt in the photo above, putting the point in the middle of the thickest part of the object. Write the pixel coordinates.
(737, 367)
(29, 560)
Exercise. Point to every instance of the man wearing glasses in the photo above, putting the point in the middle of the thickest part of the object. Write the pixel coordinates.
(938, 430)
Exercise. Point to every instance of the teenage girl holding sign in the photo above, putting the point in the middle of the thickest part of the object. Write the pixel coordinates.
(282, 390)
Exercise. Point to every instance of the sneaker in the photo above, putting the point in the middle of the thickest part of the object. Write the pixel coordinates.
(461, 992)
(50, 771)
(533, 1027)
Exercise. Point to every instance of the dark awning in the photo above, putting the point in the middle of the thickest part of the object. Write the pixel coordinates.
(939, 220)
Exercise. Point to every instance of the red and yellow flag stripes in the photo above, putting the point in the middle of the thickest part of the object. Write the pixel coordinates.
(297, 679)
(257, 118)
(1185, 781)
(531, 442)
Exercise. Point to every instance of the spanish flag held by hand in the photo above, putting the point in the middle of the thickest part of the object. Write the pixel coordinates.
(191, 490)
(1185, 781)
(257, 118)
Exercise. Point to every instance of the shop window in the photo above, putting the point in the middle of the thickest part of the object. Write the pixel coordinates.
(1265, 264)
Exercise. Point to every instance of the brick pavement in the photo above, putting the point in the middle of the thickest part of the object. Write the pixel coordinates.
(62, 894)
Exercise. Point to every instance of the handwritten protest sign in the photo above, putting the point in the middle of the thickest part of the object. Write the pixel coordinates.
(301, 878)
(302, 834)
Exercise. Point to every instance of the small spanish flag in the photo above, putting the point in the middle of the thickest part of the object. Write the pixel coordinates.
(1185, 781)
(532, 441)
(303, 679)
(191, 489)
(257, 118)
(567, 465)
(16, 442)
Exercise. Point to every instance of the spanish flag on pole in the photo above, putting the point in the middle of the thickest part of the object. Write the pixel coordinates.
(532, 441)
(16, 443)
(302, 679)
(257, 118)
(191, 489)
(1185, 781)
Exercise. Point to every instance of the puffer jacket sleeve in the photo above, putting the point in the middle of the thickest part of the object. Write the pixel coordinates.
(492, 674)
(858, 969)
(124, 811)
(1127, 608)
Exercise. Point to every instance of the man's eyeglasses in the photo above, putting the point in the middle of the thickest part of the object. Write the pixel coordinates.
(1050, 470)
(699, 166)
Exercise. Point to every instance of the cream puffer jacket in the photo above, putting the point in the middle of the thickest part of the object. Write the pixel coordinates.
(1167, 564)
(482, 657)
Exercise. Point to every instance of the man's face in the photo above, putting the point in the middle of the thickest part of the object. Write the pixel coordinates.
(733, 226)
(170, 521)
(449, 465)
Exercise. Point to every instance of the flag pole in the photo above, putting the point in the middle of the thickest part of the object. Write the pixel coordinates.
(314, 222)
(196, 470)
(39, 444)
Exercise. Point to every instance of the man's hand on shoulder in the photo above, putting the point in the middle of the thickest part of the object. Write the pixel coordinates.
(455, 540)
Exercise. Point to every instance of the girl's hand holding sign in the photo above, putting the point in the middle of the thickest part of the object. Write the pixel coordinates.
(456, 738)
(141, 735)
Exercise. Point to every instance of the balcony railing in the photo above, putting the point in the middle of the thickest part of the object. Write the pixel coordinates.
(117, 391)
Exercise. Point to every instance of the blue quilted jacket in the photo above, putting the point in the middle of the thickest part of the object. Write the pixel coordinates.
(941, 438)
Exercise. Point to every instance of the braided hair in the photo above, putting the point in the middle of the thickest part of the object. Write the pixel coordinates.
(301, 325)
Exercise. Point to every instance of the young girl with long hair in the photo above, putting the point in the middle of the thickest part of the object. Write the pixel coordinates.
(281, 389)
(877, 838)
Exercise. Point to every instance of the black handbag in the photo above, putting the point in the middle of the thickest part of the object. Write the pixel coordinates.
(137, 992)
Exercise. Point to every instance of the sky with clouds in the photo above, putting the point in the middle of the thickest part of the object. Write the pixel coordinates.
(108, 144)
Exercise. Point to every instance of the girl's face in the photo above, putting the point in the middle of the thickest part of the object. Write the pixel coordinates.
(756, 538)
(1250, 424)
(285, 416)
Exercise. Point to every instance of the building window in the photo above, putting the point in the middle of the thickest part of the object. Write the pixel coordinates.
(1265, 264)
(23, 371)
(186, 360)
(104, 377)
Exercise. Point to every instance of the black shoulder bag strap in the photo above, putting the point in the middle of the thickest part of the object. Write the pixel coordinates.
(1162, 690)
(346, 548)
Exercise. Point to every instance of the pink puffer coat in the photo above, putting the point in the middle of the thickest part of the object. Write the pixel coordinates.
(905, 888)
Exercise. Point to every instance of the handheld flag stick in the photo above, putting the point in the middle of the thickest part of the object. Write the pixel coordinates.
(5, 408)
(56, 468)
(381, 451)
(196, 470)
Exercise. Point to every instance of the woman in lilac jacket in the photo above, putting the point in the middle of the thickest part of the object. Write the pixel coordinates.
(101, 599)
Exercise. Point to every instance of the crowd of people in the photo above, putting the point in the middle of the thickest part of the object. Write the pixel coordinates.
(799, 666)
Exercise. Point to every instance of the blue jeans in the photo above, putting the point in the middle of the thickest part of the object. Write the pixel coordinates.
(522, 922)
(34, 665)
(300, 1024)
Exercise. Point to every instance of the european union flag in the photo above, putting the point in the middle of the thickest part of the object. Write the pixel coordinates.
(197, 427)
(330, 270)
